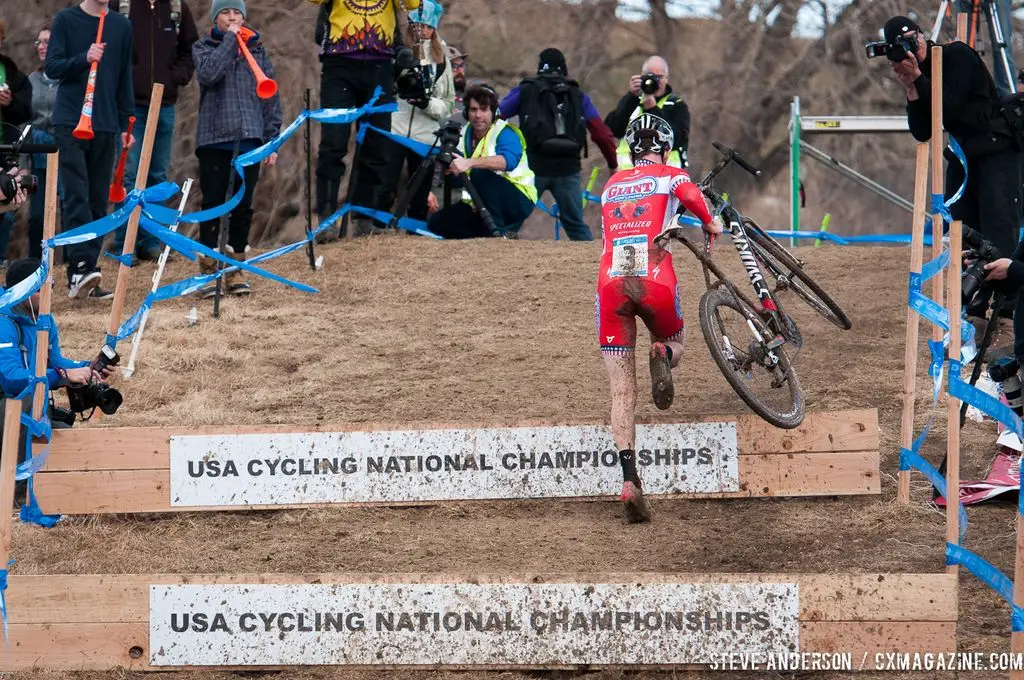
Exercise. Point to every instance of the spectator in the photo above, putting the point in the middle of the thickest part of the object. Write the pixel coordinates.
(458, 61)
(418, 118)
(356, 46)
(163, 32)
(87, 166)
(18, 334)
(44, 97)
(231, 117)
(662, 102)
(554, 139)
(15, 110)
(494, 156)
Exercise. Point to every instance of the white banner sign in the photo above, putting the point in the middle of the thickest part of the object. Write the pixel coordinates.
(433, 465)
(477, 624)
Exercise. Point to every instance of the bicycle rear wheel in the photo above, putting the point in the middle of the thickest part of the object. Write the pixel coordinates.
(762, 378)
(789, 274)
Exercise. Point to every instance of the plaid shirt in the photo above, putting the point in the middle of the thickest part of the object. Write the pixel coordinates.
(229, 109)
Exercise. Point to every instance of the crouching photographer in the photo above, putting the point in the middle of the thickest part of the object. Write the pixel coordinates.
(493, 168)
(83, 380)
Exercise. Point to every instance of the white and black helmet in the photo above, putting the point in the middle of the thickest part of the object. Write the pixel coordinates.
(649, 133)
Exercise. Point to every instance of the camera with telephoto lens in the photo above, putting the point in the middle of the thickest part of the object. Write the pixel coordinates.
(9, 184)
(411, 79)
(972, 281)
(448, 136)
(895, 51)
(649, 83)
(1006, 372)
(99, 395)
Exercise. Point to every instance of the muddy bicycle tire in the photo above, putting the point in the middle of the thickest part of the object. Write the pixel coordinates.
(711, 302)
(780, 261)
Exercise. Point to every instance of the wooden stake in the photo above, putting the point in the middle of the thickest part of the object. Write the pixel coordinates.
(961, 26)
(913, 322)
(8, 464)
(937, 179)
(121, 289)
(953, 404)
(46, 294)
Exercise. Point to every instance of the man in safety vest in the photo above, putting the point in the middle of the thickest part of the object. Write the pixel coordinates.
(494, 158)
(650, 93)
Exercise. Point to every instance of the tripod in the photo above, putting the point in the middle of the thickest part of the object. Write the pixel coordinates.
(997, 14)
(444, 157)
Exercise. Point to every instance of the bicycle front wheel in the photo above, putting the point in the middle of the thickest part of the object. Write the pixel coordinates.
(789, 274)
(762, 377)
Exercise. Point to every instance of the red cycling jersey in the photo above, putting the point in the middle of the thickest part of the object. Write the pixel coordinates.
(636, 276)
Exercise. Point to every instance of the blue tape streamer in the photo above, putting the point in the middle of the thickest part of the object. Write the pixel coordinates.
(126, 260)
(31, 514)
(990, 576)
(934, 266)
(406, 223)
(933, 311)
(3, 598)
(986, 403)
(910, 460)
(1020, 496)
(417, 147)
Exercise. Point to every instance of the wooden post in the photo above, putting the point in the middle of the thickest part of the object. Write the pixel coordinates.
(913, 322)
(953, 404)
(937, 179)
(121, 289)
(46, 293)
(961, 26)
(8, 464)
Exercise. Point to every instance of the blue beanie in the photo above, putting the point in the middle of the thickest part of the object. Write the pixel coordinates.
(429, 13)
(219, 6)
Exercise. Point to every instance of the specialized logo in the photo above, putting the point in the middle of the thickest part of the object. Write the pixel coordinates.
(749, 261)
(632, 191)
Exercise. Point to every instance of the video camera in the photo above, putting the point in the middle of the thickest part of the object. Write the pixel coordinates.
(449, 136)
(10, 184)
(895, 51)
(649, 83)
(981, 252)
(412, 82)
(99, 395)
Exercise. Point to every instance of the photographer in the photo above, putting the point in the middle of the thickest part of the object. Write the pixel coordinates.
(494, 156)
(15, 110)
(18, 198)
(650, 93)
(991, 203)
(426, 97)
(18, 334)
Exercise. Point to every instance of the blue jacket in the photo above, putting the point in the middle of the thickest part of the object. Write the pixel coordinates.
(18, 354)
(229, 109)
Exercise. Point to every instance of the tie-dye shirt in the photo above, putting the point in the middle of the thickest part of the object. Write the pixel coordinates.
(363, 29)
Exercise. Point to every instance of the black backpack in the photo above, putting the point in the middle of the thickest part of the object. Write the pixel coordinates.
(551, 115)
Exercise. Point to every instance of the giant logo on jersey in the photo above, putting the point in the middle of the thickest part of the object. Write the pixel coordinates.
(631, 191)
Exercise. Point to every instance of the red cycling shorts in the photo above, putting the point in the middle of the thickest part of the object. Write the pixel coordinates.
(621, 300)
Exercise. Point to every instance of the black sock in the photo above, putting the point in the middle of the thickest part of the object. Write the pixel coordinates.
(668, 353)
(627, 458)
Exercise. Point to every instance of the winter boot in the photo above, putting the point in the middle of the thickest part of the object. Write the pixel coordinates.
(235, 281)
(207, 266)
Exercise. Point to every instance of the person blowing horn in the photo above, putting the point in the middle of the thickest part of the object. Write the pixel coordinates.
(87, 166)
(233, 118)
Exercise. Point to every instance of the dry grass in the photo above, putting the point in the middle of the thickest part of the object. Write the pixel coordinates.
(405, 330)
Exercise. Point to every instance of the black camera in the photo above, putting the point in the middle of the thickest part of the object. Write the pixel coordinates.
(448, 136)
(895, 51)
(972, 281)
(649, 83)
(1006, 371)
(411, 79)
(82, 398)
(9, 185)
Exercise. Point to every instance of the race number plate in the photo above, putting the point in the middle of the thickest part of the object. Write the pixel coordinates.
(629, 256)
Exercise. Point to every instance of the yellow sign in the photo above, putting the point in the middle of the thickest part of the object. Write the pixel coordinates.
(827, 124)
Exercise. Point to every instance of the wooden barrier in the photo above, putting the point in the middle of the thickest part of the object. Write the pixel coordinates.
(128, 470)
(98, 622)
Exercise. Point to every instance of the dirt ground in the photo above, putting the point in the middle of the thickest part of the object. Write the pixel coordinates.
(406, 330)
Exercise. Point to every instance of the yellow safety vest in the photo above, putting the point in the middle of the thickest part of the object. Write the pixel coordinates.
(622, 151)
(521, 175)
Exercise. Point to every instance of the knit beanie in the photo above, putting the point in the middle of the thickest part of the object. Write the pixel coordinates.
(552, 61)
(219, 6)
(19, 270)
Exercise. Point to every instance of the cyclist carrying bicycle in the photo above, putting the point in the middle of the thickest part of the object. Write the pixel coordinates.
(637, 279)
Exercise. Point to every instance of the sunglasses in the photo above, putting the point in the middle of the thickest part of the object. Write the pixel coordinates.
(42, 42)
